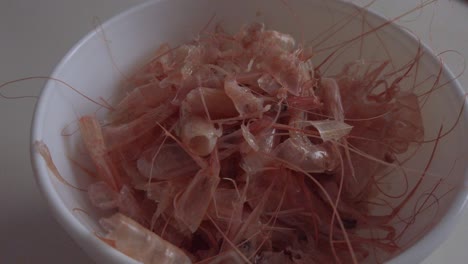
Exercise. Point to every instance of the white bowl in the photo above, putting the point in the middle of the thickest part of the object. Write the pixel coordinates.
(137, 32)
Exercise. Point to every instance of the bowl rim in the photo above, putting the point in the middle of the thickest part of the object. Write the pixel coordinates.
(417, 252)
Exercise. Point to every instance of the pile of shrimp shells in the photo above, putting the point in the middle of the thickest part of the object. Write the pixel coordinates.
(235, 149)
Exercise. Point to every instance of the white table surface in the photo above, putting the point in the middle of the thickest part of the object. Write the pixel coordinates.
(35, 34)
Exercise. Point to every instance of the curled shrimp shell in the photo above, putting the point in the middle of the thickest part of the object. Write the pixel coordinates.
(123, 133)
(299, 151)
(249, 138)
(256, 160)
(332, 99)
(142, 99)
(192, 204)
(214, 102)
(306, 156)
(286, 70)
(199, 134)
(267, 83)
(331, 129)
(93, 138)
(165, 162)
(245, 102)
(140, 243)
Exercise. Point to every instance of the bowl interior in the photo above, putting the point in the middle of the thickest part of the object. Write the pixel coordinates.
(99, 64)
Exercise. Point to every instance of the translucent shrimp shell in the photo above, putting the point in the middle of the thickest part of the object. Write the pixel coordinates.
(141, 244)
